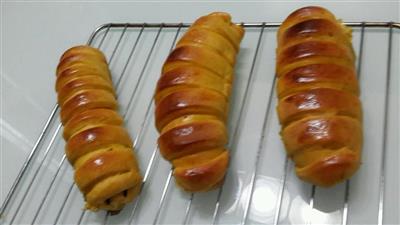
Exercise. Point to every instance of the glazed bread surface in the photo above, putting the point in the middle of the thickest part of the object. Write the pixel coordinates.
(192, 100)
(319, 107)
(98, 146)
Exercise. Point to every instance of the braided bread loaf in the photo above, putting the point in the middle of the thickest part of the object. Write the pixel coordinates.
(318, 108)
(98, 146)
(192, 97)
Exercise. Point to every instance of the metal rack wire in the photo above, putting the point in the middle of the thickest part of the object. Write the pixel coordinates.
(11, 209)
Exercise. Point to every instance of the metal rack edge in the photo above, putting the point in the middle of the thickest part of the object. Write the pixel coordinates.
(391, 24)
(247, 25)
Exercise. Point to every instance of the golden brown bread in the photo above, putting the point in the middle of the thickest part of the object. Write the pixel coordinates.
(98, 146)
(192, 98)
(319, 108)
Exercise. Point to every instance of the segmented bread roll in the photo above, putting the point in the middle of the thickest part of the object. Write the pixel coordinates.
(319, 108)
(98, 146)
(192, 98)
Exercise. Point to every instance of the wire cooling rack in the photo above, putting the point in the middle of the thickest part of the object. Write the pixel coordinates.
(260, 186)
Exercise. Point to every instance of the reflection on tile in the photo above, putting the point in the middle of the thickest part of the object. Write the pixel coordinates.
(13, 135)
(265, 199)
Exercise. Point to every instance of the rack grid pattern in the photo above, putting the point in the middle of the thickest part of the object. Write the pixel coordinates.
(260, 179)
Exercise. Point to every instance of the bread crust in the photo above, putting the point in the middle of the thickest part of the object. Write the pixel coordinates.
(318, 104)
(98, 146)
(192, 98)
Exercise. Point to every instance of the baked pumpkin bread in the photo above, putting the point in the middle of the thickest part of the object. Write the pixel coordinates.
(192, 99)
(319, 106)
(98, 146)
